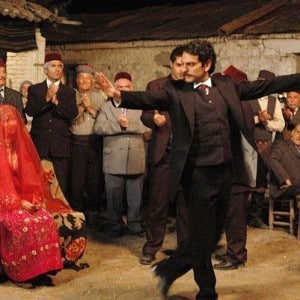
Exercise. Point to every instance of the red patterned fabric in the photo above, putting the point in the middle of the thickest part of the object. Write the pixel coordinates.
(29, 241)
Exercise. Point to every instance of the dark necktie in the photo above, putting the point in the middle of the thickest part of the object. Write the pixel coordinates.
(292, 113)
(1, 96)
(204, 89)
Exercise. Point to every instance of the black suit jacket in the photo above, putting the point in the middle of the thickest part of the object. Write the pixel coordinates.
(50, 125)
(15, 99)
(178, 98)
(160, 135)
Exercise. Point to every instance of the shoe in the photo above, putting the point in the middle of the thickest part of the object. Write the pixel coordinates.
(3, 277)
(168, 252)
(226, 265)
(165, 280)
(24, 284)
(257, 223)
(116, 234)
(146, 259)
(140, 234)
(42, 280)
(220, 257)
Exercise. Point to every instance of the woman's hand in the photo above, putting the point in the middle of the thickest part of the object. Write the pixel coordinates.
(26, 205)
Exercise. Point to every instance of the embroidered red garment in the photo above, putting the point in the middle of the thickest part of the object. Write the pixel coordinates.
(29, 241)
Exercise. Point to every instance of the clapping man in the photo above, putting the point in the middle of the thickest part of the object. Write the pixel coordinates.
(53, 106)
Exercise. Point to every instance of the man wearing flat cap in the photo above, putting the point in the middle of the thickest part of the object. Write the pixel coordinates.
(86, 160)
(10, 96)
(53, 106)
(124, 161)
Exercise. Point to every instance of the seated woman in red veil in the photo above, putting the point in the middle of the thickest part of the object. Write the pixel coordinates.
(31, 220)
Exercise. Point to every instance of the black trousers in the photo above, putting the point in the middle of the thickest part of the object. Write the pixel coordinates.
(87, 180)
(236, 228)
(157, 211)
(208, 191)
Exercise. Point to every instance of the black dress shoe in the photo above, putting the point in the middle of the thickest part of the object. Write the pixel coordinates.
(42, 280)
(165, 280)
(146, 259)
(257, 223)
(114, 234)
(24, 284)
(3, 277)
(226, 265)
(220, 257)
(168, 252)
(140, 234)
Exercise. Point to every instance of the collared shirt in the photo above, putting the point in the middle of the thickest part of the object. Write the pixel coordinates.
(276, 124)
(2, 91)
(206, 82)
(49, 82)
(295, 110)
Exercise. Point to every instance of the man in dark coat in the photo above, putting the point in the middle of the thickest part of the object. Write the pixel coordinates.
(284, 164)
(52, 106)
(159, 169)
(203, 111)
(10, 96)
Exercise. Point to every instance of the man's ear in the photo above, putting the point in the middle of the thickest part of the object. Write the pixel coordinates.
(207, 65)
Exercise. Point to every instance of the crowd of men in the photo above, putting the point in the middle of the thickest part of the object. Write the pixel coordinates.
(199, 144)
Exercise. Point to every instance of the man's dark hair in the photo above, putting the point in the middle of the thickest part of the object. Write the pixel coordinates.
(204, 50)
(176, 52)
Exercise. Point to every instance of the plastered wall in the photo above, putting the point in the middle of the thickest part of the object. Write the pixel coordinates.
(149, 60)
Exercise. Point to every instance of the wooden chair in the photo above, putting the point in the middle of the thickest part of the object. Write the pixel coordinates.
(285, 214)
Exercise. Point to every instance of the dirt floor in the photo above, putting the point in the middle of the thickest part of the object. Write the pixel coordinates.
(272, 272)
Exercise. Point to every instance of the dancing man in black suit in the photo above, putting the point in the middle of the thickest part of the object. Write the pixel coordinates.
(204, 109)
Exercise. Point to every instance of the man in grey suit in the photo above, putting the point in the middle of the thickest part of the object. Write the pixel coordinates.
(10, 96)
(204, 111)
(123, 161)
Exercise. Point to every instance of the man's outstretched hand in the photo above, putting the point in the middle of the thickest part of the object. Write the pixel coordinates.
(103, 84)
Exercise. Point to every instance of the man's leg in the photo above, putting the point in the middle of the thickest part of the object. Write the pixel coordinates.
(236, 228)
(61, 169)
(208, 190)
(94, 173)
(78, 177)
(208, 204)
(114, 191)
(158, 206)
(134, 193)
(236, 233)
(182, 215)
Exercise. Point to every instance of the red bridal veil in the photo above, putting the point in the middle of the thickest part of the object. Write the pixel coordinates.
(21, 174)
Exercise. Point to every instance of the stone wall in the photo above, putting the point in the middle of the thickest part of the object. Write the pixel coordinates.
(148, 60)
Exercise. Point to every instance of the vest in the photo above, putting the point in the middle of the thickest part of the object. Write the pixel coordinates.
(211, 137)
(260, 133)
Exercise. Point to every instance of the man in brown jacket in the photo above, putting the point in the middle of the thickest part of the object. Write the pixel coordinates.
(159, 162)
(284, 164)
